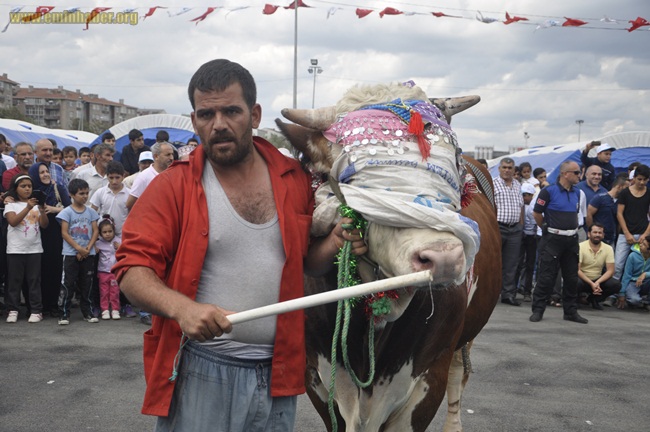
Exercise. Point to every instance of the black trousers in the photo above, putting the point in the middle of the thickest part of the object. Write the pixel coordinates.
(527, 260)
(557, 253)
(25, 269)
(51, 264)
(610, 287)
(77, 274)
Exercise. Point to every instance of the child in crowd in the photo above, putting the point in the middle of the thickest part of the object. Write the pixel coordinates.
(69, 158)
(79, 231)
(57, 156)
(84, 156)
(111, 199)
(26, 217)
(635, 282)
(109, 291)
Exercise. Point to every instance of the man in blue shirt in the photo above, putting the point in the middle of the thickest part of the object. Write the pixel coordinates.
(591, 184)
(556, 212)
(602, 209)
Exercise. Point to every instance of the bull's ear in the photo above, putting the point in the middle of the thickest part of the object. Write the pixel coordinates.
(451, 106)
(310, 142)
(319, 119)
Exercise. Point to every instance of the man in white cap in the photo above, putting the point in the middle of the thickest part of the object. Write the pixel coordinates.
(603, 160)
(144, 161)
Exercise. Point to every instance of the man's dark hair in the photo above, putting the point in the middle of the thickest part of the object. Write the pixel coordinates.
(632, 166)
(76, 185)
(134, 134)
(84, 150)
(642, 170)
(114, 167)
(596, 224)
(217, 75)
(620, 179)
(193, 140)
(3, 139)
(69, 149)
(107, 136)
(538, 171)
(506, 161)
(56, 151)
(53, 141)
(162, 136)
(525, 165)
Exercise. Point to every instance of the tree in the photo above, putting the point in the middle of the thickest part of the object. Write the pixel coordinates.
(15, 114)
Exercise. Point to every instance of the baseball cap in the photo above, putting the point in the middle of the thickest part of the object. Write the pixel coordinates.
(527, 188)
(145, 156)
(604, 147)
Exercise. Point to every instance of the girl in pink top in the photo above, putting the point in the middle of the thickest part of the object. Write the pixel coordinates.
(109, 290)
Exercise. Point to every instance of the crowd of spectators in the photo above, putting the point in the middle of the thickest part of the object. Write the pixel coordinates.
(580, 241)
(63, 214)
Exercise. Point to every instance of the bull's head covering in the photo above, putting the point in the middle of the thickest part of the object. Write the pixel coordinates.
(383, 171)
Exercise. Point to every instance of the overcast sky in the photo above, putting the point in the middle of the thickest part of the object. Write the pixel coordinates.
(534, 81)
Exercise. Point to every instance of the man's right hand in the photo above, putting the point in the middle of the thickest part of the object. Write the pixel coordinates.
(630, 239)
(202, 321)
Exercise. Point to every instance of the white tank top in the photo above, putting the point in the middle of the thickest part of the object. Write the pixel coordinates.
(242, 270)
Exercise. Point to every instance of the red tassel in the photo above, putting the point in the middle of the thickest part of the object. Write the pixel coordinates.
(416, 127)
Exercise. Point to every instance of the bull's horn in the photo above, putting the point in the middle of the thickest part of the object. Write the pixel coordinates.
(310, 142)
(319, 119)
(451, 106)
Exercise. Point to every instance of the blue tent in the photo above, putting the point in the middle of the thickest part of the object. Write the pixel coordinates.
(180, 129)
(630, 147)
(16, 131)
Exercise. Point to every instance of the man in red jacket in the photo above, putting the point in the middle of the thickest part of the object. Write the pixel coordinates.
(227, 230)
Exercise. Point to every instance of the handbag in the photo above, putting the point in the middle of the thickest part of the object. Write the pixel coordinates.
(59, 203)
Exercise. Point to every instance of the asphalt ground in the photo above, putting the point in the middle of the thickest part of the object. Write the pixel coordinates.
(550, 376)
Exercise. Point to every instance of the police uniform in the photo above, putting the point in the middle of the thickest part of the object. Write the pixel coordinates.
(559, 248)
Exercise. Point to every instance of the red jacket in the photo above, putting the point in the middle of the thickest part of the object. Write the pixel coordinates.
(167, 231)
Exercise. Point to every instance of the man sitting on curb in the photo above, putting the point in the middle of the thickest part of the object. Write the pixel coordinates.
(635, 281)
(594, 255)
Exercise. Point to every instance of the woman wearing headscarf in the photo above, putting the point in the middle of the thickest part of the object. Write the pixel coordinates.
(56, 199)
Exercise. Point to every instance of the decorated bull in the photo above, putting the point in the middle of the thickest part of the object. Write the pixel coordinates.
(393, 160)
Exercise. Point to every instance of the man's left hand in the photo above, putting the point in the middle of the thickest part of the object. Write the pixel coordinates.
(341, 235)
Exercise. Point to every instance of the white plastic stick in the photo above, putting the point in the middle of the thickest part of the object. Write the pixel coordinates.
(413, 279)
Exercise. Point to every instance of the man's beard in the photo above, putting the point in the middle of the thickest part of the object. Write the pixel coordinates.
(229, 157)
(595, 242)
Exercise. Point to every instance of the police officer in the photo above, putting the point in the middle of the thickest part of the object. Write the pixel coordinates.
(556, 212)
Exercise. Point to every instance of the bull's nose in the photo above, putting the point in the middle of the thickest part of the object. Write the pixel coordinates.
(446, 261)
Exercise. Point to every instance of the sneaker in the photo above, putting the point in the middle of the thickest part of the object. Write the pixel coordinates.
(34, 318)
(115, 315)
(609, 302)
(91, 319)
(536, 317)
(527, 298)
(12, 316)
(106, 315)
(64, 320)
(129, 312)
(145, 319)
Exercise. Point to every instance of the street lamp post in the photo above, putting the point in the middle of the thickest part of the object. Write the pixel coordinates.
(314, 69)
(579, 123)
(526, 136)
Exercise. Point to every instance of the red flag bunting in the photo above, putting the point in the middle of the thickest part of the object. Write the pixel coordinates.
(94, 13)
(40, 11)
(198, 19)
(390, 11)
(570, 22)
(638, 22)
(152, 10)
(269, 9)
(363, 12)
(293, 4)
(510, 20)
